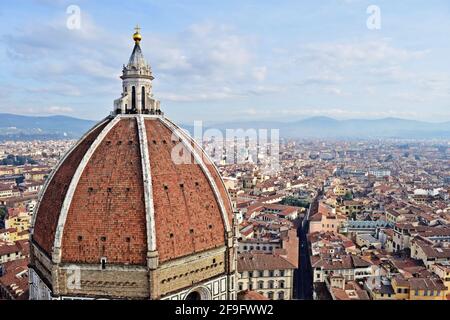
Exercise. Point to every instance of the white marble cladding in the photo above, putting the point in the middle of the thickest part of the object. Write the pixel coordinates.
(38, 289)
(144, 102)
(137, 94)
(214, 289)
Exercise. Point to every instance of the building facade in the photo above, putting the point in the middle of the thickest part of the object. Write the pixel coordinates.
(271, 276)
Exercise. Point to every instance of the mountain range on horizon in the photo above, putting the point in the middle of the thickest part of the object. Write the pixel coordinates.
(329, 128)
(18, 127)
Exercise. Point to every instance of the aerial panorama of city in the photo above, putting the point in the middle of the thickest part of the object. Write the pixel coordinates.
(247, 151)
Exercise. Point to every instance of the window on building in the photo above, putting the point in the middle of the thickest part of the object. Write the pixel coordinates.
(143, 98)
(281, 295)
(271, 285)
(271, 274)
(281, 273)
(103, 263)
(270, 295)
(240, 286)
(194, 296)
(261, 285)
(133, 98)
(281, 284)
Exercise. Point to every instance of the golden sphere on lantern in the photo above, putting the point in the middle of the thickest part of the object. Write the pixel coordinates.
(137, 37)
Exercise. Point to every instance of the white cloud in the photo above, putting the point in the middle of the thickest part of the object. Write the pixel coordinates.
(324, 78)
(392, 73)
(338, 113)
(334, 91)
(49, 110)
(335, 55)
(59, 109)
(202, 53)
(194, 64)
(265, 89)
(260, 73)
(61, 89)
(225, 93)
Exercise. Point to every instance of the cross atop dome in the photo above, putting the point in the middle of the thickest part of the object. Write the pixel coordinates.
(137, 37)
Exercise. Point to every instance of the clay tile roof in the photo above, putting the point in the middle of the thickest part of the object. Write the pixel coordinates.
(340, 294)
(360, 263)
(260, 261)
(251, 295)
(401, 281)
(15, 279)
(8, 249)
(426, 284)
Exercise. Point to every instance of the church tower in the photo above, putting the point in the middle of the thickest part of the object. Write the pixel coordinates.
(119, 218)
(137, 96)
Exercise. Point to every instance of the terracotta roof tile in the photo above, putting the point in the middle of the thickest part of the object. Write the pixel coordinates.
(261, 261)
(52, 201)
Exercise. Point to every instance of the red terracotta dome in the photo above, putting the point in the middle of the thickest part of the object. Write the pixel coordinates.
(118, 195)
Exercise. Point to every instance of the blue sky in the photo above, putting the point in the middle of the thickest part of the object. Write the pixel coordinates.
(231, 60)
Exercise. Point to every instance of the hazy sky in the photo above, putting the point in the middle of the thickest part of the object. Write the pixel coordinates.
(231, 60)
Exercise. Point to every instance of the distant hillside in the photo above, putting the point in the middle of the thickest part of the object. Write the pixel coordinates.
(15, 127)
(323, 127)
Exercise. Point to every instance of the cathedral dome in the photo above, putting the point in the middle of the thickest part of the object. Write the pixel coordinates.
(138, 209)
(118, 194)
